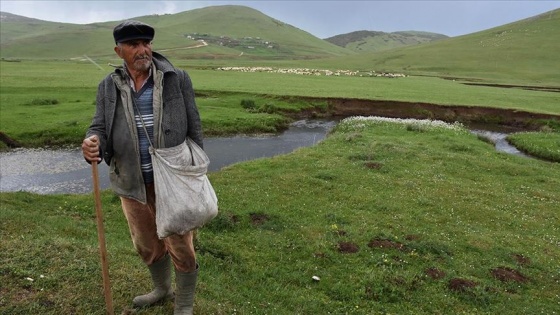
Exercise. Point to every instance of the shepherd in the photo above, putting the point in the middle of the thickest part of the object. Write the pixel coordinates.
(149, 88)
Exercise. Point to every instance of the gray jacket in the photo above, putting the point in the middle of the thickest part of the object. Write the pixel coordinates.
(175, 118)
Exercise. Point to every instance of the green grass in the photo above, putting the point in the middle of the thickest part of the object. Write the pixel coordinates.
(499, 54)
(23, 39)
(410, 89)
(25, 90)
(224, 114)
(545, 145)
(59, 108)
(372, 41)
(443, 199)
(447, 207)
(72, 86)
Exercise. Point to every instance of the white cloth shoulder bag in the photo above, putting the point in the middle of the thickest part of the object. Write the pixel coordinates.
(185, 199)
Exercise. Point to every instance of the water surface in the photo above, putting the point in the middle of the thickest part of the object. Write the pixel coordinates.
(60, 171)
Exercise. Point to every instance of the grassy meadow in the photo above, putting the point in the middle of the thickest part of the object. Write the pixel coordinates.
(384, 216)
(50, 103)
(386, 225)
(393, 218)
(500, 54)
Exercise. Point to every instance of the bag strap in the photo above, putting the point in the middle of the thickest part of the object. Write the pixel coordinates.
(142, 121)
(182, 79)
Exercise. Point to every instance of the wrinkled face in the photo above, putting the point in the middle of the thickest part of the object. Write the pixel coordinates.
(137, 54)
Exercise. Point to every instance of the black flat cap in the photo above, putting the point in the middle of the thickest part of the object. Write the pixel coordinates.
(129, 30)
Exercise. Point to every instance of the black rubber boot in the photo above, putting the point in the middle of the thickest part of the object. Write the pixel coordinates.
(161, 277)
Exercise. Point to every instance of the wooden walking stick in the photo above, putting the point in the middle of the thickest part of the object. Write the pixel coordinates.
(101, 237)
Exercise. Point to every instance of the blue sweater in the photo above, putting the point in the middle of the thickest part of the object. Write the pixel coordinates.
(144, 104)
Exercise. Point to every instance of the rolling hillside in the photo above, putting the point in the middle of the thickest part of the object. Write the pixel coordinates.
(229, 31)
(523, 52)
(372, 41)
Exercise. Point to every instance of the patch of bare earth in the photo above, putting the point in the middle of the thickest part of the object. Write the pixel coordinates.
(373, 165)
(347, 107)
(434, 273)
(506, 274)
(461, 285)
(383, 243)
(347, 247)
(395, 109)
(258, 218)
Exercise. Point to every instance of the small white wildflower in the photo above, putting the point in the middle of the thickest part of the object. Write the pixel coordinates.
(29, 279)
(405, 121)
(315, 278)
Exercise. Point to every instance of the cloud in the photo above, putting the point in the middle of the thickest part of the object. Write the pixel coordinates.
(320, 18)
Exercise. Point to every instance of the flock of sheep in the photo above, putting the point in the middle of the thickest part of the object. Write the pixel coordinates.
(317, 72)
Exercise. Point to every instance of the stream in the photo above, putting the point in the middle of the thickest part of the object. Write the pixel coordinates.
(61, 171)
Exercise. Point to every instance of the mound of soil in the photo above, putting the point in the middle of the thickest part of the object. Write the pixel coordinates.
(506, 274)
(258, 218)
(347, 247)
(461, 285)
(381, 243)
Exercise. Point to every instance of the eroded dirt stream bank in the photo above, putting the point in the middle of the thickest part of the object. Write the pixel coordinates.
(514, 119)
(64, 171)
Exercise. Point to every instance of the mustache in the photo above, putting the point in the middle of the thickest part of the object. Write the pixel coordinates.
(142, 57)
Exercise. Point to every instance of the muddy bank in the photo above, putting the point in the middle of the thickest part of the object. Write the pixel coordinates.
(339, 108)
(524, 87)
(516, 119)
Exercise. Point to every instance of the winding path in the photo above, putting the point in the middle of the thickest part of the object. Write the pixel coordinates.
(202, 44)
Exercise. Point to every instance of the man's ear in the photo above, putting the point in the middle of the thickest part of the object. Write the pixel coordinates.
(118, 51)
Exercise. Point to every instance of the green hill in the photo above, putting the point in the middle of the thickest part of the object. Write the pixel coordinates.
(229, 31)
(523, 52)
(372, 41)
(16, 27)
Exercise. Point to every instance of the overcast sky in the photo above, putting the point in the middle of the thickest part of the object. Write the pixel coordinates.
(320, 18)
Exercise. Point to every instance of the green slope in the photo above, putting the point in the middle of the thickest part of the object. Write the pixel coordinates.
(523, 52)
(255, 34)
(15, 27)
(372, 41)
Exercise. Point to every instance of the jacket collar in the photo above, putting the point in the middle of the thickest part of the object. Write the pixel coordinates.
(161, 63)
